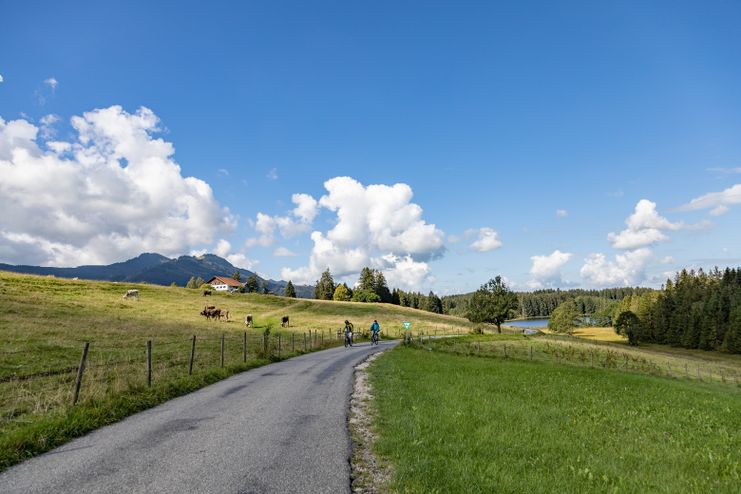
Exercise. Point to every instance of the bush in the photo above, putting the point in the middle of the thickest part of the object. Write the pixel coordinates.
(477, 329)
(365, 296)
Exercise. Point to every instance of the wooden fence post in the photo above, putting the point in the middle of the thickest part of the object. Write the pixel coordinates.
(322, 337)
(192, 355)
(149, 363)
(278, 345)
(478, 347)
(293, 342)
(505, 350)
(304, 340)
(531, 352)
(80, 370)
(222, 349)
(244, 348)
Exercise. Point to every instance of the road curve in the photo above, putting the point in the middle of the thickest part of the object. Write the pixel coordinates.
(279, 428)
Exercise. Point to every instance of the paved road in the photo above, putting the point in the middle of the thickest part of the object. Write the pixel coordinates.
(279, 428)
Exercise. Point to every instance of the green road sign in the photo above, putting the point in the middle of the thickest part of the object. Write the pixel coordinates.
(407, 324)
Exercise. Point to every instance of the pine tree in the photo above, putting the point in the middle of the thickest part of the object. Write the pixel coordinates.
(324, 289)
(191, 283)
(199, 282)
(290, 291)
(367, 280)
(381, 288)
(252, 285)
(236, 275)
(434, 304)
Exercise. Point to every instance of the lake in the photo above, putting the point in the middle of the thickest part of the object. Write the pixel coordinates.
(528, 323)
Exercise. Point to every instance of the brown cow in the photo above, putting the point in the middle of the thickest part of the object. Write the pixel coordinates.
(211, 312)
(248, 320)
(206, 293)
(284, 322)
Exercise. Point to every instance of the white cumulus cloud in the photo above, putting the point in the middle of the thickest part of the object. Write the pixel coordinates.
(562, 213)
(720, 202)
(112, 193)
(376, 225)
(627, 269)
(546, 270)
(488, 240)
(299, 221)
(645, 227)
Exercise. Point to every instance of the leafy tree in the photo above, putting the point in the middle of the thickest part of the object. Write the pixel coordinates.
(236, 275)
(564, 318)
(324, 289)
(628, 324)
(365, 296)
(492, 303)
(290, 291)
(191, 283)
(342, 293)
(252, 285)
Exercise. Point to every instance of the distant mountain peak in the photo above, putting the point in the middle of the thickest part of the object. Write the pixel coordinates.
(151, 267)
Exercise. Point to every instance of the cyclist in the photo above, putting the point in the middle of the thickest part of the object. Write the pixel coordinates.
(375, 329)
(348, 332)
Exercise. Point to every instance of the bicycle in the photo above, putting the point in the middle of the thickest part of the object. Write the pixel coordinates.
(374, 338)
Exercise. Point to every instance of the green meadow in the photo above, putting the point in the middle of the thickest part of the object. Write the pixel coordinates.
(449, 421)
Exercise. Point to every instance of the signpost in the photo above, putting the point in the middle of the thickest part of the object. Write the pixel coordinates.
(407, 325)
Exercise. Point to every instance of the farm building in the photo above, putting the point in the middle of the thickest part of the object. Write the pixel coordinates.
(224, 283)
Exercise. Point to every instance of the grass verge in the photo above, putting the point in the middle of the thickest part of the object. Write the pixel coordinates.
(454, 423)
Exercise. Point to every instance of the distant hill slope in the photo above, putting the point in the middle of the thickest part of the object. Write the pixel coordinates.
(159, 270)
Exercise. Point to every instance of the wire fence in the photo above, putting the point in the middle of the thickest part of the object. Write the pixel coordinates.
(585, 355)
(105, 368)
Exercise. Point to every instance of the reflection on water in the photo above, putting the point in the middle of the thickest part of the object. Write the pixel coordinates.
(529, 323)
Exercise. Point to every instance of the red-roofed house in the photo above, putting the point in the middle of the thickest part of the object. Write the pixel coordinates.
(224, 283)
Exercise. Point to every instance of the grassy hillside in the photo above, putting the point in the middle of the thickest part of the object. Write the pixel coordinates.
(44, 322)
(455, 423)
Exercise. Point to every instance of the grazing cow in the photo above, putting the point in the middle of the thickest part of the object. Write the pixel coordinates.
(211, 312)
(248, 320)
(284, 322)
(131, 294)
(206, 293)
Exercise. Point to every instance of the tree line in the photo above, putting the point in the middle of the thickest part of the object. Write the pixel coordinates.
(372, 287)
(599, 304)
(695, 310)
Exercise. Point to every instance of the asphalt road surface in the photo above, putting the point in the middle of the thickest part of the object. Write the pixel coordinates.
(278, 428)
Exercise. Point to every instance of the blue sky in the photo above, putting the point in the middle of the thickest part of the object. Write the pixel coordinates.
(494, 116)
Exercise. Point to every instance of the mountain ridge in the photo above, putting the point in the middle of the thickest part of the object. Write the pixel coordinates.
(157, 269)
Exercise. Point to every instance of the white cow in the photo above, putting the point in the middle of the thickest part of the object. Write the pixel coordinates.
(131, 294)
